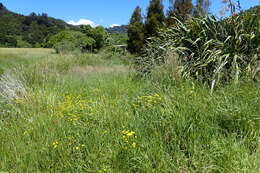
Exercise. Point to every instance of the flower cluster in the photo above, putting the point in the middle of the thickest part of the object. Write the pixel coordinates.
(148, 101)
(129, 138)
(72, 107)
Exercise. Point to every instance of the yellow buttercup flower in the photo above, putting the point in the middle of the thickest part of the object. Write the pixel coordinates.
(55, 144)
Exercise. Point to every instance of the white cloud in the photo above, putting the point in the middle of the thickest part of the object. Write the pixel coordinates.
(83, 22)
(113, 25)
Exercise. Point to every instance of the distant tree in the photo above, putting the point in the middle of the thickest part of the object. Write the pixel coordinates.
(33, 14)
(202, 7)
(98, 34)
(180, 8)
(155, 18)
(135, 32)
(66, 41)
(31, 30)
(1, 6)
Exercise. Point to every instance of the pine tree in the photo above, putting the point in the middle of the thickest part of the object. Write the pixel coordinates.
(202, 7)
(179, 8)
(136, 32)
(155, 18)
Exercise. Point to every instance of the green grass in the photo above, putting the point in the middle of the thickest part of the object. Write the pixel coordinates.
(88, 113)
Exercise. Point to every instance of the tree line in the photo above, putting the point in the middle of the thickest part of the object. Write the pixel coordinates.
(141, 28)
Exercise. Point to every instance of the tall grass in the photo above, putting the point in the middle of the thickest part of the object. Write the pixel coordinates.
(109, 122)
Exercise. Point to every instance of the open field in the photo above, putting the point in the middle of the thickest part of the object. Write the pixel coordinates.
(89, 113)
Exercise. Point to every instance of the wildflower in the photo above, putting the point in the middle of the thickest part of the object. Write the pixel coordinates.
(103, 170)
(55, 144)
(128, 133)
(133, 144)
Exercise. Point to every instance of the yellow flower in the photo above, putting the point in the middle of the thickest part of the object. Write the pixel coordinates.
(55, 144)
(134, 145)
(130, 133)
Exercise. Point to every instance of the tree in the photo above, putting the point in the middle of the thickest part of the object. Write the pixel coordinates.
(155, 18)
(180, 8)
(135, 32)
(2, 6)
(68, 40)
(98, 34)
(202, 7)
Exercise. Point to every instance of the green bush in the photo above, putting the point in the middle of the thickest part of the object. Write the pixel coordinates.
(64, 46)
(66, 41)
(209, 50)
(98, 34)
(23, 44)
(7, 41)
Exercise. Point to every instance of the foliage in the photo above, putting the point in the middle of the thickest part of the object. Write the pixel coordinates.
(136, 32)
(180, 8)
(23, 44)
(118, 38)
(72, 119)
(209, 50)
(34, 29)
(7, 41)
(66, 41)
(202, 7)
(98, 34)
(154, 19)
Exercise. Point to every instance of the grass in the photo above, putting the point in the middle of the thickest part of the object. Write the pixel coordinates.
(99, 118)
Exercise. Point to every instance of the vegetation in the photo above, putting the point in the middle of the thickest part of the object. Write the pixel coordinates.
(154, 19)
(119, 38)
(122, 29)
(98, 34)
(31, 30)
(180, 8)
(202, 7)
(207, 50)
(66, 41)
(82, 112)
(85, 113)
(136, 32)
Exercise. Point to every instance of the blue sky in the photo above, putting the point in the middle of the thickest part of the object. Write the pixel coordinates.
(101, 12)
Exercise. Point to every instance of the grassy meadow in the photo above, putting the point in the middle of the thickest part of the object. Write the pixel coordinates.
(90, 113)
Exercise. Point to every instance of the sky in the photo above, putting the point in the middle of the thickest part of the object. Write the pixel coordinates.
(95, 12)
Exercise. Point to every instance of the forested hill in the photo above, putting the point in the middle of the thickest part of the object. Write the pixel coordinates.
(17, 30)
(117, 29)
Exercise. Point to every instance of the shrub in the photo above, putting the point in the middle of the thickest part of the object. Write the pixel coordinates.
(98, 34)
(64, 46)
(209, 50)
(23, 44)
(66, 41)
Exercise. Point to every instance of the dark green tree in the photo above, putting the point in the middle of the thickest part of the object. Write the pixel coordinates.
(202, 7)
(155, 18)
(135, 32)
(179, 8)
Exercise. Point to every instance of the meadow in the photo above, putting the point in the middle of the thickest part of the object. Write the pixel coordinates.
(91, 113)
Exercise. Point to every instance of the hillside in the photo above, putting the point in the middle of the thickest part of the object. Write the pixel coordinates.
(117, 29)
(17, 30)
